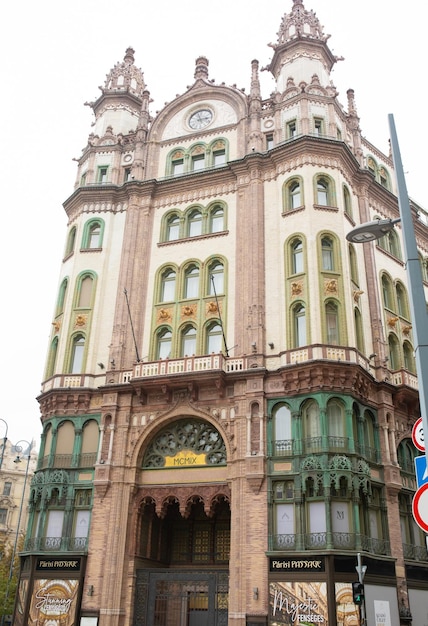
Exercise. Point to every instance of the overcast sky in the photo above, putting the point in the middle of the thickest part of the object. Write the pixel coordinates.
(56, 54)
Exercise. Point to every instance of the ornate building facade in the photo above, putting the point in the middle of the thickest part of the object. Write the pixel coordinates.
(230, 388)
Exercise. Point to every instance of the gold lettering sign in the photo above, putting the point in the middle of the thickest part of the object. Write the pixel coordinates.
(186, 458)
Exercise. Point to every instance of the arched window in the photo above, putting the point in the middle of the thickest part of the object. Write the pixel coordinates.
(216, 279)
(64, 444)
(297, 256)
(194, 223)
(336, 422)
(332, 323)
(359, 336)
(323, 196)
(50, 370)
(353, 264)
(214, 339)
(85, 286)
(77, 353)
(188, 341)
(402, 302)
(168, 286)
(409, 357)
(312, 424)
(387, 295)
(394, 352)
(299, 323)
(71, 241)
(391, 243)
(164, 344)
(293, 197)
(197, 159)
(216, 219)
(90, 437)
(61, 297)
(327, 254)
(424, 267)
(191, 282)
(93, 235)
(173, 228)
(282, 426)
(177, 163)
(219, 153)
(347, 204)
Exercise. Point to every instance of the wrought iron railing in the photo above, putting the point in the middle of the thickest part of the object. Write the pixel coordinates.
(328, 541)
(56, 544)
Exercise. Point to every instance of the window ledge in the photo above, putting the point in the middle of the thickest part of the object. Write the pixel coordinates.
(222, 233)
(91, 249)
(293, 211)
(322, 207)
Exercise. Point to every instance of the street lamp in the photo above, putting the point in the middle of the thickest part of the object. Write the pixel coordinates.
(19, 450)
(4, 442)
(418, 306)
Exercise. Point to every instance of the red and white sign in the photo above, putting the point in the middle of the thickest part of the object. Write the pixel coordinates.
(420, 507)
(418, 435)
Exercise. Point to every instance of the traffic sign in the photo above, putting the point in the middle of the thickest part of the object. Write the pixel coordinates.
(420, 507)
(421, 470)
(418, 435)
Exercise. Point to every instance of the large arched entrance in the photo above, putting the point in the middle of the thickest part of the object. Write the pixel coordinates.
(183, 529)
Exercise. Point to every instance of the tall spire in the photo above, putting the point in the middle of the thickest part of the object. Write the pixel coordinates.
(125, 76)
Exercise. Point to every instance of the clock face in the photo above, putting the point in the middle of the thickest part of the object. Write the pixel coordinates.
(200, 119)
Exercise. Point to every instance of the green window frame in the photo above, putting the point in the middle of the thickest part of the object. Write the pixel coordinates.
(93, 234)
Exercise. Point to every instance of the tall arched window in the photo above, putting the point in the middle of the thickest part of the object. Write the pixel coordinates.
(177, 163)
(216, 219)
(216, 279)
(282, 426)
(402, 302)
(168, 286)
(336, 422)
(312, 424)
(394, 352)
(323, 191)
(71, 241)
(194, 223)
(359, 336)
(214, 339)
(77, 353)
(61, 297)
(327, 253)
(164, 344)
(293, 196)
(297, 256)
(191, 282)
(353, 264)
(85, 292)
(188, 341)
(90, 437)
(332, 323)
(50, 370)
(173, 228)
(388, 298)
(347, 204)
(92, 234)
(64, 444)
(409, 357)
(299, 322)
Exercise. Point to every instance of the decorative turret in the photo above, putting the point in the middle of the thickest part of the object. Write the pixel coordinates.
(121, 98)
(301, 51)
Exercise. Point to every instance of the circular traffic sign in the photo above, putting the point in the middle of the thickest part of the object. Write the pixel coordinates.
(420, 507)
(418, 435)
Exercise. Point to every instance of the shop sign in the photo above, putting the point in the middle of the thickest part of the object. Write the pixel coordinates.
(296, 565)
(186, 458)
(55, 565)
(54, 602)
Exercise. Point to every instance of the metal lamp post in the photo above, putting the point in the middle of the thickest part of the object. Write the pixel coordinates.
(18, 449)
(418, 307)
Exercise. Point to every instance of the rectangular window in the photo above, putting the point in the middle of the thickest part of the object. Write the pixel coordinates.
(219, 158)
(284, 519)
(177, 167)
(7, 488)
(3, 517)
(102, 174)
(81, 524)
(198, 162)
(340, 517)
(127, 174)
(291, 129)
(54, 529)
(83, 180)
(318, 126)
(269, 142)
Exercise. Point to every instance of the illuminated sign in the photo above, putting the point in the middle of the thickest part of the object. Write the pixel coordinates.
(54, 565)
(186, 458)
(297, 565)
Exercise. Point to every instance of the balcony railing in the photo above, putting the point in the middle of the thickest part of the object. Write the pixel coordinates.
(84, 460)
(56, 544)
(329, 541)
(190, 364)
(415, 553)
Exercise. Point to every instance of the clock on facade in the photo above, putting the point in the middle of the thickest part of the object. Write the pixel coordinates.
(200, 119)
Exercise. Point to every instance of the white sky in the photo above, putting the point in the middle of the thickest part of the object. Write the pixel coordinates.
(56, 54)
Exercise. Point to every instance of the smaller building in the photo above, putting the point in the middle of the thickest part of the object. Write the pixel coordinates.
(17, 465)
